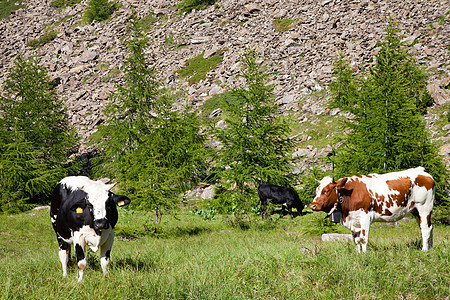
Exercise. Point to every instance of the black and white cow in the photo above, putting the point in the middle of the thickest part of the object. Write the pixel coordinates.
(83, 212)
(286, 196)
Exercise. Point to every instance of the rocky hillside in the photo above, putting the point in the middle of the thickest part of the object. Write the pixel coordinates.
(86, 61)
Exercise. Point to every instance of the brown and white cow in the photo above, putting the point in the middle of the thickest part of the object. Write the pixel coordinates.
(373, 198)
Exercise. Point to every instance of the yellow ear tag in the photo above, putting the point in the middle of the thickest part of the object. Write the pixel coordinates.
(121, 203)
(79, 210)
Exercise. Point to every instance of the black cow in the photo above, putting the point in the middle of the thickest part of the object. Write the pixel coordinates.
(286, 196)
(83, 212)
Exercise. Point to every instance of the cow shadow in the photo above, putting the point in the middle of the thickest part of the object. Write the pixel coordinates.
(284, 213)
(137, 264)
(398, 246)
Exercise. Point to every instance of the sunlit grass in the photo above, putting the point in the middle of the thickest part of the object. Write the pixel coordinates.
(211, 260)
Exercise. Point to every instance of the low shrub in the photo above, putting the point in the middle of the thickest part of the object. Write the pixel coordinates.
(8, 6)
(282, 25)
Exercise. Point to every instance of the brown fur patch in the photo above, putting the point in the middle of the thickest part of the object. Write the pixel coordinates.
(424, 181)
(429, 220)
(401, 185)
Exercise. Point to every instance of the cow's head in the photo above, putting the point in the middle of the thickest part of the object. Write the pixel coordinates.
(327, 194)
(102, 203)
(93, 203)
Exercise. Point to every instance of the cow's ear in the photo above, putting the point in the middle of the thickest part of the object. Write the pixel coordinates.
(341, 183)
(121, 200)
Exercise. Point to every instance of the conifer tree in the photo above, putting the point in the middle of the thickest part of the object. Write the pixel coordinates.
(131, 107)
(35, 134)
(388, 131)
(256, 143)
(155, 151)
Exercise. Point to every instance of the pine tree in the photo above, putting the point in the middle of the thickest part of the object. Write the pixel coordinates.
(256, 143)
(388, 131)
(35, 134)
(155, 151)
(131, 107)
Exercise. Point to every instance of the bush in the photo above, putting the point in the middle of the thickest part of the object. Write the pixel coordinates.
(8, 6)
(320, 225)
(208, 213)
(282, 25)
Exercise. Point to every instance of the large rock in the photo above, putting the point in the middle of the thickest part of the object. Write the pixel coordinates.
(330, 237)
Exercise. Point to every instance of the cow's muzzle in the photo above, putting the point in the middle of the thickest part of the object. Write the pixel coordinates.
(314, 206)
(101, 224)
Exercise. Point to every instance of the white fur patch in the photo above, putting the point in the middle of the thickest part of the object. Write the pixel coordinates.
(97, 192)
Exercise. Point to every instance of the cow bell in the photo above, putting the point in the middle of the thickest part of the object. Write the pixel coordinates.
(336, 216)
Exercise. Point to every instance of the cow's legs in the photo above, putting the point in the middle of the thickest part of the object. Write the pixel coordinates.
(356, 238)
(262, 203)
(364, 236)
(79, 245)
(282, 211)
(64, 255)
(105, 252)
(423, 217)
(360, 233)
(290, 211)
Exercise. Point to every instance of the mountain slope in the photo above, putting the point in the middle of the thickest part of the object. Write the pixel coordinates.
(86, 60)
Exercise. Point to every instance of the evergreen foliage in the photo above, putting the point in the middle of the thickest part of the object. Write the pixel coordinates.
(388, 131)
(35, 135)
(153, 150)
(131, 107)
(344, 87)
(256, 143)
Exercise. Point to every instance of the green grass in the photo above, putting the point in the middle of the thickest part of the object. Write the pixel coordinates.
(443, 111)
(210, 260)
(8, 6)
(216, 101)
(282, 25)
(64, 3)
(148, 21)
(197, 67)
(46, 38)
(189, 5)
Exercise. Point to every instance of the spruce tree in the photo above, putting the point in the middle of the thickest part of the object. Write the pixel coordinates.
(256, 143)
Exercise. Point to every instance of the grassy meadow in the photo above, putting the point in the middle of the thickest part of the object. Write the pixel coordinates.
(210, 259)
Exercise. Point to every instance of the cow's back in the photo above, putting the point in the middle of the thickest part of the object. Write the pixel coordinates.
(392, 195)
